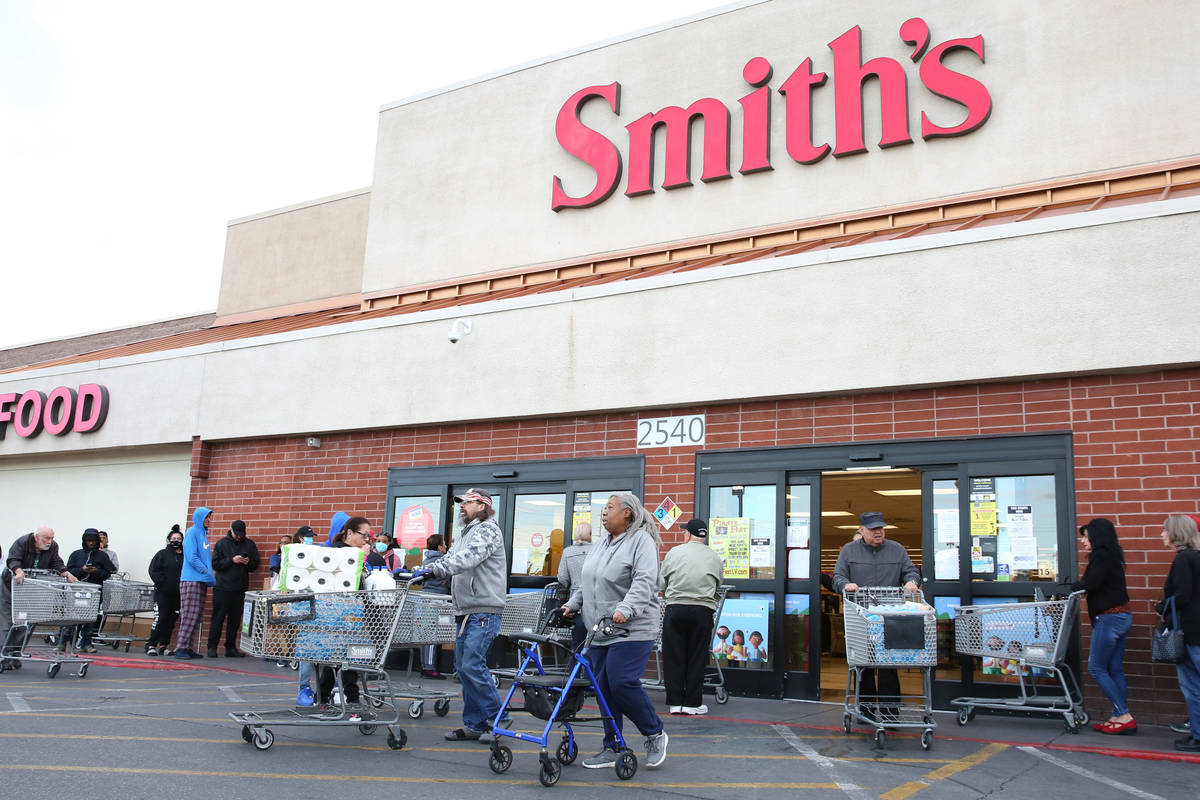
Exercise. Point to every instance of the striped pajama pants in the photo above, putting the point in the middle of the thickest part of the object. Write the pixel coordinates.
(191, 607)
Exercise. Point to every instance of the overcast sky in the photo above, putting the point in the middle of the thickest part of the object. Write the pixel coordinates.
(132, 132)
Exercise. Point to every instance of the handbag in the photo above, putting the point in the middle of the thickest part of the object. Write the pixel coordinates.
(1166, 642)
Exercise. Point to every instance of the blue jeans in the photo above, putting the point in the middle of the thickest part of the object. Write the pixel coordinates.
(619, 668)
(480, 701)
(1189, 684)
(1106, 655)
(306, 674)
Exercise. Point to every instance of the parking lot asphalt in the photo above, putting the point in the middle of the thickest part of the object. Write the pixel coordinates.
(141, 727)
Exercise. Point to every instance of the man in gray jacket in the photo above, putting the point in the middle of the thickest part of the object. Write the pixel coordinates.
(477, 565)
(689, 579)
(869, 561)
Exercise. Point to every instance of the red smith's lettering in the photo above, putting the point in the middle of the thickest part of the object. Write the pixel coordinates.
(850, 74)
(57, 413)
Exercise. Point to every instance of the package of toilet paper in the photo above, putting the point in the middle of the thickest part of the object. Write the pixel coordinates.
(312, 568)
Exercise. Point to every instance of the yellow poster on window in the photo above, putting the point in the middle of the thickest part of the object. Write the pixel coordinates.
(730, 538)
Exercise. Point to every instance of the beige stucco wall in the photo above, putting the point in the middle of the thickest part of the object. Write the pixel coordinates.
(294, 255)
(462, 181)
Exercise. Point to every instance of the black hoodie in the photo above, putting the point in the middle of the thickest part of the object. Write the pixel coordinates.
(233, 577)
(165, 568)
(94, 556)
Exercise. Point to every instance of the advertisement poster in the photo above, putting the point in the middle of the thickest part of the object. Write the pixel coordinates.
(730, 538)
(983, 557)
(742, 631)
(760, 552)
(797, 534)
(983, 507)
(945, 522)
(413, 526)
(581, 512)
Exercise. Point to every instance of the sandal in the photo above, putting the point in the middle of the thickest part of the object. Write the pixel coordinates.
(462, 735)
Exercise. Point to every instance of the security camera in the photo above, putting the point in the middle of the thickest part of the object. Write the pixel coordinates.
(460, 328)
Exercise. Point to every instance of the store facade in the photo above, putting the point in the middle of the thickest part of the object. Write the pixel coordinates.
(789, 331)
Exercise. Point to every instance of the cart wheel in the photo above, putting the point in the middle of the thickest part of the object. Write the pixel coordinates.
(1081, 717)
(366, 729)
(927, 739)
(964, 715)
(550, 772)
(880, 737)
(626, 765)
(442, 707)
(263, 739)
(247, 734)
(127, 646)
(52, 670)
(82, 671)
(115, 645)
(3, 664)
(846, 722)
(48, 638)
(375, 702)
(501, 759)
(722, 695)
(295, 665)
(1070, 725)
(496, 680)
(568, 751)
(396, 742)
(416, 709)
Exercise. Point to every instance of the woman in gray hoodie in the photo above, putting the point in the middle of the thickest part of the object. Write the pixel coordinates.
(620, 580)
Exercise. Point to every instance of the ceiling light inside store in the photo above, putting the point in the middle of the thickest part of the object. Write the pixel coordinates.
(836, 514)
(899, 492)
(541, 503)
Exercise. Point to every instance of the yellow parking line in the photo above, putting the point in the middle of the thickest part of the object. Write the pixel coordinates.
(906, 790)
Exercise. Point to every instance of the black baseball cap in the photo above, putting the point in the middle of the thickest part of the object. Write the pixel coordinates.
(697, 528)
(871, 519)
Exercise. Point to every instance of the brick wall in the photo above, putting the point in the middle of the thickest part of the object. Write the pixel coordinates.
(1136, 461)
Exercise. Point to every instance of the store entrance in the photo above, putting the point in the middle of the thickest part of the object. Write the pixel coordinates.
(894, 492)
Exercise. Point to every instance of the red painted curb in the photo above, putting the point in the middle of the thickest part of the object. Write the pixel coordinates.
(170, 664)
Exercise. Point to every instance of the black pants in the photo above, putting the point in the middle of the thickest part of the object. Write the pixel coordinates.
(687, 633)
(166, 614)
(325, 681)
(889, 687)
(227, 608)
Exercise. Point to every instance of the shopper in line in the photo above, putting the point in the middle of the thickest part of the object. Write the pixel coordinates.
(393, 557)
(165, 569)
(870, 559)
(620, 581)
(304, 694)
(477, 567)
(194, 580)
(116, 562)
(1183, 586)
(234, 557)
(689, 579)
(1111, 616)
(89, 564)
(570, 566)
(36, 550)
(355, 533)
(435, 549)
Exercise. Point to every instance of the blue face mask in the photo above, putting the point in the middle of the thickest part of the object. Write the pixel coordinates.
(308, 540)
(381, 547)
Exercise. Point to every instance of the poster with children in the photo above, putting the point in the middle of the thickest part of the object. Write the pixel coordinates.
(743, 629)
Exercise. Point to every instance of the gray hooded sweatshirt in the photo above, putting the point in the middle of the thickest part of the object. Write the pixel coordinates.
(476, 562)
(620, 574)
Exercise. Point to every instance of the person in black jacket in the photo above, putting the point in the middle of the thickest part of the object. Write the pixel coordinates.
(1111, 616)
(233, 559)
(164, 571)
(89, 564)
(1183, 585)
(36, 550)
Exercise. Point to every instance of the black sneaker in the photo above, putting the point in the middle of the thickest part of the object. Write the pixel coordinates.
(1188, 745)
(212, 652)
(1182, 727)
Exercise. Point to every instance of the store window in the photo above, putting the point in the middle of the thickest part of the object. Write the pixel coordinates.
(589, 507)
(741, 528)
(799, 522)
(537, 536)
(796, 629)
(946, 538)
(742, 636)
(1014, 530)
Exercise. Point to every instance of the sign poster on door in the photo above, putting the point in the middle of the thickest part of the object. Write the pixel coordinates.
(730, 538)
(413, 526)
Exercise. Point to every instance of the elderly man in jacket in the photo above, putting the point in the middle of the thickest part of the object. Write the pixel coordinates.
(36, 550)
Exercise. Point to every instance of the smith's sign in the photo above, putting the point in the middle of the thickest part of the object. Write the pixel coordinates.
(800, 90)
(61, 411)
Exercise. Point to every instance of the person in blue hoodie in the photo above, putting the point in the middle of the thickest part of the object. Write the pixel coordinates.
(194, 580)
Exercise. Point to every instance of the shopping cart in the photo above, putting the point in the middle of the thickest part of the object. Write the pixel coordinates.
(120, 602)
(889, 628)
(342, 630)
(714, 677)
(530, 613)
(1027, 639)
(428, 619)
(45, 598)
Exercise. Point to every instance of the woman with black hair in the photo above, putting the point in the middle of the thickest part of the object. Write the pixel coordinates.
(1108, 609)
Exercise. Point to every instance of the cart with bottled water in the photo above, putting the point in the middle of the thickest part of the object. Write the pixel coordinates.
(121, 600)
(889, 628)
(532, 612)
(714, 676)
(1027, 641)
(428, 619)
(46, 598)
(341, 630)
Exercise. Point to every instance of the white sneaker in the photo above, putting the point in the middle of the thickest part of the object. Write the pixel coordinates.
(675, 709)
(694, 710)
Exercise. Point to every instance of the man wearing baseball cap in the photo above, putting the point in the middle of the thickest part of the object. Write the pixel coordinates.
(477, 567)
(689, 578)
(873, 560)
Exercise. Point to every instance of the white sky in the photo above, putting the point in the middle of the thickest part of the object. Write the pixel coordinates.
(132, 131)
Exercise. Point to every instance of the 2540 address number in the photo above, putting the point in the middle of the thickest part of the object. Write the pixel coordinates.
(671, 431)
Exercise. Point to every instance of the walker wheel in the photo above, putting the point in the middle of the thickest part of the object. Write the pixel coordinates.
(846, 723)
(82, 670)
(52, 670)
(263, 739)
(568, 751)
(247, 734)
(927, 739)
(501, 759)
(550, 772)
(442, 707)
(416, 709)
(366, 729)
(397, 742)
(626, 765)
(722, 695)
(880, 737)
(1081, 717)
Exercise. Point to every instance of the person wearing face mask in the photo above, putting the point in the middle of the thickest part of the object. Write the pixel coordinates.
(233, 559)
(165, 569)
(36, 550)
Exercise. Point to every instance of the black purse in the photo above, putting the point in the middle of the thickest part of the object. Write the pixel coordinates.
(1166, 642)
